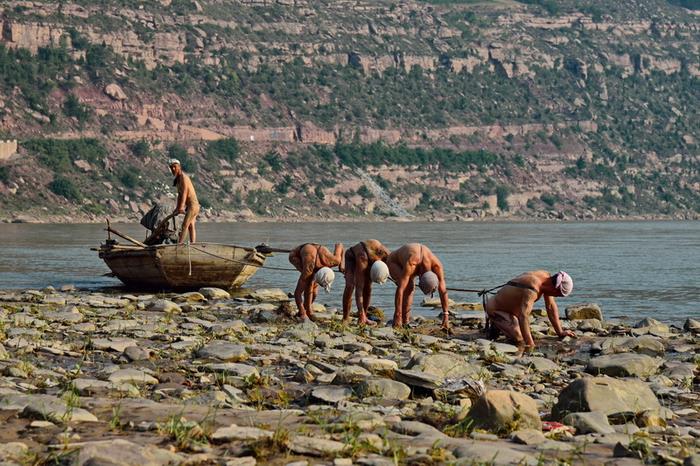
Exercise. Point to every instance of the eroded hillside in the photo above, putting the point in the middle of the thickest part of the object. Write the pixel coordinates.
(550, 109)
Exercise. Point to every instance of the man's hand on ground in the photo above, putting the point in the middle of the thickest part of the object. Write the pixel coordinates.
(567, 333)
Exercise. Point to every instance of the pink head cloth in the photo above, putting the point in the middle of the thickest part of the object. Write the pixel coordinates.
(564, 283)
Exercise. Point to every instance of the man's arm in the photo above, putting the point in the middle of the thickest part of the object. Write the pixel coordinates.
(553, 314)
(181, 197)
(444, 301)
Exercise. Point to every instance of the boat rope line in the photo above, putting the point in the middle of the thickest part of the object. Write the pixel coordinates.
(189, 258)
(286, 269)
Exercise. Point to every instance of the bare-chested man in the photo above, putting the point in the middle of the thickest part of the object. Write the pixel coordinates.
(187, 202)
(358, 263)
(509, 310)
(410, 261)
(308, 259)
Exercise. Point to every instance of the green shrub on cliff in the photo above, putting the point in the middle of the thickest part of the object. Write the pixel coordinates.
(57, 154)
(4, 174)
(64, 187)
(226, 149)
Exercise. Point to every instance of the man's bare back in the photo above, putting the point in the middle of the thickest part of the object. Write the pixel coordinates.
(509, 310)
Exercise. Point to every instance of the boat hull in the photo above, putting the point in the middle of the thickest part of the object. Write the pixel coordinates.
(173, 266)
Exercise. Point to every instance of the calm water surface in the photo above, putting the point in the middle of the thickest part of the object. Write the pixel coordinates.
(633, 269)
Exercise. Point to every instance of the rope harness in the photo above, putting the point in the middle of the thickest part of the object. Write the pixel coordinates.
(483, 294)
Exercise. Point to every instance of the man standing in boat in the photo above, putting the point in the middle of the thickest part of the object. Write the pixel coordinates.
(509, 310)
(186, 201)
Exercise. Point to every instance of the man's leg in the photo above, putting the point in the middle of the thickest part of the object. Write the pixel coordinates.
(408, 302)
(508, 324)
(347, 294)
(187, 225)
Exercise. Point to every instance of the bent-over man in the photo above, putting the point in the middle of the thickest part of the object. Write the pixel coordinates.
(359, 260)
(308, 259)
(187, 202)
(509, 309)
(410, 261)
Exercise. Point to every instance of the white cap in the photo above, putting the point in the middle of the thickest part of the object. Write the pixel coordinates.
(324, 277)
(172, 162)
(428, 283)
(379, 273)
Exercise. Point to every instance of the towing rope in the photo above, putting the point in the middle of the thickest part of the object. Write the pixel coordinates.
(252, 264)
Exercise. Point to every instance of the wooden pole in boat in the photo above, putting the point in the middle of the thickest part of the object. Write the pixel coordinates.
(126, 237)
(109, 234)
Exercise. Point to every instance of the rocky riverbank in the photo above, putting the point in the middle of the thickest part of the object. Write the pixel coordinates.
(209, 378)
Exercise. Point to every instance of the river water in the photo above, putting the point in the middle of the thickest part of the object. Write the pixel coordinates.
(633, 269)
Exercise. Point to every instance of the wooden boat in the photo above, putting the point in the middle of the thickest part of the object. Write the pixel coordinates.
(181, 266)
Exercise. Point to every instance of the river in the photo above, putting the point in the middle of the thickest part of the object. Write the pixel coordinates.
(633, 269)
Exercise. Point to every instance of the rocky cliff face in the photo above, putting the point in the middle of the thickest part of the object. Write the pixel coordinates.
(588, 96)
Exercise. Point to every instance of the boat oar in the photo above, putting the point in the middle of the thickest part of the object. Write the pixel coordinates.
(126, 237)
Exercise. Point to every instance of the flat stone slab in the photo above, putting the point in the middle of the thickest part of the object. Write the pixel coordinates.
(115, 344)
(46, 407)
(332, 395)
(223, 351)
(232, 368)
(235, 432)
(623, 365)
(133, 376)
(418, 379)
(120, 452)
(315, 446)
(214, 293)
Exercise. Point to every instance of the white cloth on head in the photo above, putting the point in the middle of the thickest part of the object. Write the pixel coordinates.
(379, 273)
(172, 162)
(564, 283)
(325, 277)
(428, 282)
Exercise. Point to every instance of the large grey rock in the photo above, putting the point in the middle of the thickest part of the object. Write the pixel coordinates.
(214, 293)
(384, 388)
(584, 311)
(46, 407)
(12, 453)
(315, 446)
(528, 437)
(623, 365)
(504, 411)
(692, 325)
(120, 452)
(305, 332)
(224, 351)
(233, 369)
(164, 305)
(651, 326)
(378, 365)
(418, 379)
(70, 315)
(647, 344)
(351, 374)
(538, 363)
(269, 295)
(115, 92)
(332, 395)
(471, 453)
(444, 365)
(611, 396)
(594, 422)
(132, 376)
(234, 432)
